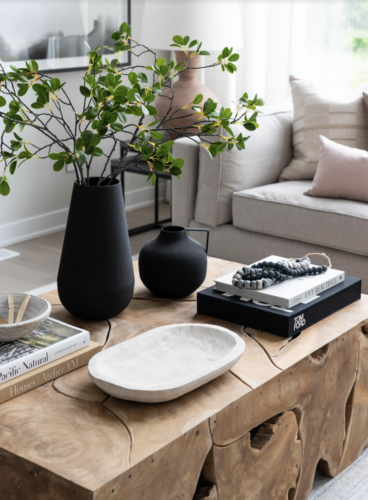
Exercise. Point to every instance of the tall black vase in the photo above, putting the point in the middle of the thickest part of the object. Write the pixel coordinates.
(96, 278)
(173, 265)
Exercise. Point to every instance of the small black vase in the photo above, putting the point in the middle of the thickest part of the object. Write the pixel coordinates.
(96, 278)
(173, 265)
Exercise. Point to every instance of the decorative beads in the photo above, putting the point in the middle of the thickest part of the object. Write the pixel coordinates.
(265, 274)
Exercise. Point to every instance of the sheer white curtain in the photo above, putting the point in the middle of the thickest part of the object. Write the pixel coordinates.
(325, 41)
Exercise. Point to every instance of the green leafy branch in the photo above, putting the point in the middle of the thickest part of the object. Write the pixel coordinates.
(117, 102)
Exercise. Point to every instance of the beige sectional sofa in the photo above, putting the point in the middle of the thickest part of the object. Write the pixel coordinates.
(251, 215)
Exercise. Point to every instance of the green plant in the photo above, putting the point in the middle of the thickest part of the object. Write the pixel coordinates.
(112, 93)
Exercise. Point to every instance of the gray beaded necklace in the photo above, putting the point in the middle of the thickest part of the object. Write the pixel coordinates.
(265, 274)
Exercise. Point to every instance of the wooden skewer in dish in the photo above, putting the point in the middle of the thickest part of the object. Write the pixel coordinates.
(11, 309)
(22, 309)
(2, 321)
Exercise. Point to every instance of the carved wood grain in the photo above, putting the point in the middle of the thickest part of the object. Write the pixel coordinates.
(171, 473)
(153, 426)
(264, 467)
(317, 391)
(78, 440)
(78, 384)
(357, 408)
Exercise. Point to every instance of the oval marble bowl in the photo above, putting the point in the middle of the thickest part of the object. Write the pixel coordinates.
(165, 363)
(37, 311)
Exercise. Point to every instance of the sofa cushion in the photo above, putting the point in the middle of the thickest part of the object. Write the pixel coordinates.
(266, 153)
(318, 114)
(282, 210)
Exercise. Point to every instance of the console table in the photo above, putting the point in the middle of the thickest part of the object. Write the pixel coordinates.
(257, 432)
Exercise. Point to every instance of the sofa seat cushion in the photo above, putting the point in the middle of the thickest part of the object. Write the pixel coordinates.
(283, 210)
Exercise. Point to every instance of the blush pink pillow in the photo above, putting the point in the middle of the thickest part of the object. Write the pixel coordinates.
(342, 172)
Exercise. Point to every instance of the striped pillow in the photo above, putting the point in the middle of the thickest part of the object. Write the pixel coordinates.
(315, 115)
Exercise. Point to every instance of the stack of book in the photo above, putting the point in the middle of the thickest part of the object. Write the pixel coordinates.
(283, 309)
(50, 351)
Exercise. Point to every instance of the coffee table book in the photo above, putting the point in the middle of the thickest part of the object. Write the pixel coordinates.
(50, 341)
(273, 319)
(46, 373)
(289, 293)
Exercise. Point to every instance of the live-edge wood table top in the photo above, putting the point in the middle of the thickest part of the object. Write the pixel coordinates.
(68, 439)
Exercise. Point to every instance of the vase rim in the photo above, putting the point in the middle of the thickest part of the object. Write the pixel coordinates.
(95, 179)
(172, 229)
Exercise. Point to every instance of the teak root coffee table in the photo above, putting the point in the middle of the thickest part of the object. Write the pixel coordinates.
(257, 432)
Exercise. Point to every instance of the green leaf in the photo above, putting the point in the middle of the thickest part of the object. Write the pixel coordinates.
(234, 57)
(133, 78)
(117, 127)
(82, 158)
(88, 47)
(2, 101)
(59, 165)
(55, 83)
(136, 110)
(86, 136)
(4, 188)
(156, 135)
(158, 166)
(175, 171)
(204, 53)
(85, 91)
(225, 52)
(79, 144)
(106, 116)
(161, 61)
(122, 117)
(23, 89)
(55, 156)
(152, 110)
(153, 123)
(34, 65)
(108, 47)
(178, 39)
(198, 98)
(97, 152)
(92, 113)
(259, 102)
(192, 43)
(153, 181)
(12, 167)
(17, 137)
(95, 139)
(178, 162)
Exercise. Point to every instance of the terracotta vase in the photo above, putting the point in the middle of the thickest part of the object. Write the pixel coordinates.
(185, 89)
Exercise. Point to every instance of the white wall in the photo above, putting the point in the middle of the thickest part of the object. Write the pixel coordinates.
(39, 198)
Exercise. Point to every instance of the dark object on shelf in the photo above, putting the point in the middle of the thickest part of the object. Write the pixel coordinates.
(96, 279)
(173, 265)
(272, 319)
(144, 170)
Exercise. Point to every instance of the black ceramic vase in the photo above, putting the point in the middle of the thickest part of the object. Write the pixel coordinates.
(96, 278)
(173, 265)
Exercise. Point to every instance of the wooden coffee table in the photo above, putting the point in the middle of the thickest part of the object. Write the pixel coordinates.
(257, 432)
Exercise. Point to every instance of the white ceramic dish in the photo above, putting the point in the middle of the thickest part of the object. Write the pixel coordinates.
(165, 363)
(37, 311)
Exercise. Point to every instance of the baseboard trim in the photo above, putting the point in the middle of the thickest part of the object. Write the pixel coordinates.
(33, 227)
(52, 222)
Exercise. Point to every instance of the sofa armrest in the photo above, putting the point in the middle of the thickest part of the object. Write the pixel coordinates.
(184, 192)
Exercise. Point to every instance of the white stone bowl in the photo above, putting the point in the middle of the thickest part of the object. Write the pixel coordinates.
(37, 311)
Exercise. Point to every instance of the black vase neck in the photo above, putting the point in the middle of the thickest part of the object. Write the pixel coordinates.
(172, 233)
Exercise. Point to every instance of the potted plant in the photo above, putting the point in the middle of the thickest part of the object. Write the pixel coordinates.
(96, 275)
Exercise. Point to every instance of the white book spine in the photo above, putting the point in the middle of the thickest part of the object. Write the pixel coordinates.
(315, 291)
(43, 356)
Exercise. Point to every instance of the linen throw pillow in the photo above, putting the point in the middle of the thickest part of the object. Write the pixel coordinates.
(316, 114)
(342, 172)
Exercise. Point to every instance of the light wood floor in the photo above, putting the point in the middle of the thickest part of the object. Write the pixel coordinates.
(38, 262)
